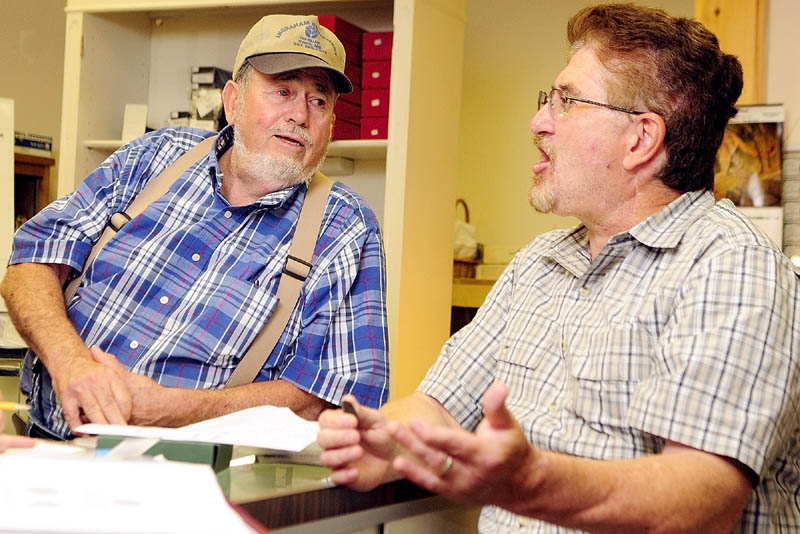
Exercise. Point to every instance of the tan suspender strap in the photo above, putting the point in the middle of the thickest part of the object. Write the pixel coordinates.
(155, 188)
(298, 265)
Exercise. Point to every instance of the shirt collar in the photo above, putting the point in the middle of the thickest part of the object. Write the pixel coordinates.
(666, 227)
(663, 229)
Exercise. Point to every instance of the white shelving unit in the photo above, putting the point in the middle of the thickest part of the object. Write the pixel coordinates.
(355, 149)
(6, 191)
(140, 51)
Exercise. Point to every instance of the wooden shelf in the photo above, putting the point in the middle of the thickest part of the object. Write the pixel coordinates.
(359, 148)
(27, 166)
(108, 145)
(351, 148)
(128, 6)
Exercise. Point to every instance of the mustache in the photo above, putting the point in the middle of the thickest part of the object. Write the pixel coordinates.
(295, 130)
(543, 145)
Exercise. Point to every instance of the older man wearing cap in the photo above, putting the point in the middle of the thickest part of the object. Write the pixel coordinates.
(170, 305)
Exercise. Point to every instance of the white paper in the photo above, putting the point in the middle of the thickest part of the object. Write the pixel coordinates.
(43, 448)
(48, 495)
(264, 427)
(130, 448)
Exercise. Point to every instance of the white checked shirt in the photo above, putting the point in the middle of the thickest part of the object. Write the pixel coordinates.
(684, 328)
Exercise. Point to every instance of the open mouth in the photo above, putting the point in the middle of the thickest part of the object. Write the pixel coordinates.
(290, 140)
(543, 163)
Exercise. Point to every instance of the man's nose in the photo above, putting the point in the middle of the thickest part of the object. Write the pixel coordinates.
(298, 112)
(542, 121)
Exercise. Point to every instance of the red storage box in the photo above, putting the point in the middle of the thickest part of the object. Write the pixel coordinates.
(344, 30)
(374, 127)
(376, 74)
(374, 102)
(343, 129)
(347, 110)
(377, 45)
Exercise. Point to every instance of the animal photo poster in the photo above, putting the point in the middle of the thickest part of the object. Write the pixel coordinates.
(748, 166)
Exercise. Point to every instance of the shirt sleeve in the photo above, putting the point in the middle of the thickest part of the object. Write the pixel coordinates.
(467, 364)
(65, 231)
(342, 346)
(728, 379)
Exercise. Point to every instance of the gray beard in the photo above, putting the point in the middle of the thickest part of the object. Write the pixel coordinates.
(541, 199)
(275, 172)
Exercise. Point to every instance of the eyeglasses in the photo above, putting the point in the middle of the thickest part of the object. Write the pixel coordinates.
(563, 101)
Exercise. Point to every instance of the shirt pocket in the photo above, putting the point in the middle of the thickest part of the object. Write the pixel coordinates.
(529, 362)
(604, 371)
(244, 324)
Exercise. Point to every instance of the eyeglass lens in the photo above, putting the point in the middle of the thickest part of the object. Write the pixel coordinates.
(543, 99)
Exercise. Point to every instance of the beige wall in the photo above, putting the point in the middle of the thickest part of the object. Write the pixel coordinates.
(513, 48)
(32, 39)
(782, 66)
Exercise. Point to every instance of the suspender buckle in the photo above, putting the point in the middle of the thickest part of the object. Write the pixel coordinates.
(298, 269)
(118, 220)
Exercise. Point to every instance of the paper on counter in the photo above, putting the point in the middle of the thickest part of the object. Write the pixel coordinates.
(43, 448)
(91, 496)
(265, 427)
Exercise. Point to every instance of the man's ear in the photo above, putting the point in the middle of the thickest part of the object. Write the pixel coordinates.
(646, 140)
(230, 94)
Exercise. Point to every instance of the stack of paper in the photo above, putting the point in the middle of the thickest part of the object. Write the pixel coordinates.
(264, 427)
(87, 495)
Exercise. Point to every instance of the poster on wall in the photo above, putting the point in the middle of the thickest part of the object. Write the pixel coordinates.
(747, 170)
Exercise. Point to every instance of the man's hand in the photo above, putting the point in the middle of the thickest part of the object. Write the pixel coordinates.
(357, 448)
(87, 390)
(149, 406)
(15, 442)
(91, 392)
(485, 466)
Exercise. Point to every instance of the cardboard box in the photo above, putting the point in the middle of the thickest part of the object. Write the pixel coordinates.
(374, 127)
(344, 30)
(212, 76)
(344, 129)
(377, 45)
(376, 74)
(347, 110)
(374, 102)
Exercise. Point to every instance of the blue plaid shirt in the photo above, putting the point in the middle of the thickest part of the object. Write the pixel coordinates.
(180, 293)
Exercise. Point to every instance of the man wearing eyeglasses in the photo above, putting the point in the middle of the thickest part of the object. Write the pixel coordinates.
(639, 372)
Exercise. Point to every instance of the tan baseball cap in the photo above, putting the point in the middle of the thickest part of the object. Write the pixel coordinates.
(279, 43)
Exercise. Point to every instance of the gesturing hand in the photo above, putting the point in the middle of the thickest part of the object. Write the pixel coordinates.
(486, 466)
(357, 448)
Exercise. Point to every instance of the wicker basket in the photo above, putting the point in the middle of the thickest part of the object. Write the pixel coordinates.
(464, 268)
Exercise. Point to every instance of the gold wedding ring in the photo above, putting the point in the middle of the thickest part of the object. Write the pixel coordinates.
(448, 463)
